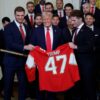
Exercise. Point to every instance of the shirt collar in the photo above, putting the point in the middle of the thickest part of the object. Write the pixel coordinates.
(49, 28)
(92, 5)
(80, 26)
(91, 27)
(18, 24)
(29, 14)
(60, 10)
(67, 17)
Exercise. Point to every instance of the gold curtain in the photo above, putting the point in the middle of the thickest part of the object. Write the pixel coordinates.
(98, 3)
(36, 1)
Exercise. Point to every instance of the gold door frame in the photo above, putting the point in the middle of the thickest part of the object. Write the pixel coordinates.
(36, 1)
(98, 3)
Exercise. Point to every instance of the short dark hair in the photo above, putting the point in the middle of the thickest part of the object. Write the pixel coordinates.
(30, 2)
(42, 2)
(68, 5)
(60, 0)
(89, 14)
(5, 19)
(55, 15)
(77, 13)
(19, 9)
(49, 3)
(38, 14)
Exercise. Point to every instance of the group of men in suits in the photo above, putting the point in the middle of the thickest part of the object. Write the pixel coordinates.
(21, 36)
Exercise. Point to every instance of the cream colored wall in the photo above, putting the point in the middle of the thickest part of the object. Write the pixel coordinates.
(7, 8)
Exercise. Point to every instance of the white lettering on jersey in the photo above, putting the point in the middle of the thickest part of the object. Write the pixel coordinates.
(72, 59)
(53, 53)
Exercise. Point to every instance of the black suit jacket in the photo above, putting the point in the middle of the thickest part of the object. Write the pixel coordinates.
(56, 12)
(38, 9)
(67, 35)
(85, 58)
(97, 39)
(97, 17)
(28, 22)
(2, 42)
(84, 40)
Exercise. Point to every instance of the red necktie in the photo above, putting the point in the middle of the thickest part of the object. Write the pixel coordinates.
(92, 10)
(22, 33)
(48, 40)
(31, 20)
(75, 34)
(42, 8)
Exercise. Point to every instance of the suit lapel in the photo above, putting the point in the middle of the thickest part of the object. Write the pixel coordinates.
(54, 37)
(79, 34)
(28, 20)
(17, 32)
(43, 37)
(80, 31)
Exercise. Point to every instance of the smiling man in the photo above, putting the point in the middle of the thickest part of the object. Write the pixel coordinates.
(16, 39)
(83, 39)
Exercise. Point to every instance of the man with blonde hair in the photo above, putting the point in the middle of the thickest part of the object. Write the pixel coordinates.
(48, 37)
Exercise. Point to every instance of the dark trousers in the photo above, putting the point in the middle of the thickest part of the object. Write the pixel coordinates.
(42, 95)
(8, 83)
(87, 75)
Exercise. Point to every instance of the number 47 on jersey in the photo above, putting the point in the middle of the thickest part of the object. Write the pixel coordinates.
(51, 63)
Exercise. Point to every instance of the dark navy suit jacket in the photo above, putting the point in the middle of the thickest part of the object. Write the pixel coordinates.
(38, 37)
(2, 45)
(38, 9)
(14, 42)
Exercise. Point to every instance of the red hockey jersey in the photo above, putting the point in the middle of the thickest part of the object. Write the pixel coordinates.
(58, 70)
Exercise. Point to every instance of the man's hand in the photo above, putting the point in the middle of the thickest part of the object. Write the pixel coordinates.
(28, 47)
(72, 45)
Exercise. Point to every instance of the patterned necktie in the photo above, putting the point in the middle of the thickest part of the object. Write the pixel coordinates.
(48, 40)
(22, 33)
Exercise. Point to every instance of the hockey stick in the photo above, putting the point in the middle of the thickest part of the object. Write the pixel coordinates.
(12, 52)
